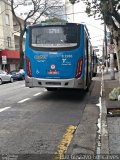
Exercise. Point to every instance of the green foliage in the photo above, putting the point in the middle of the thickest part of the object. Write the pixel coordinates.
(21, 59)
(102, 7)
(107, 10)
(113, 95)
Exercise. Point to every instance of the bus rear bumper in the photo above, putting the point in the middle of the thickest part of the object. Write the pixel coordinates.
(54, 83)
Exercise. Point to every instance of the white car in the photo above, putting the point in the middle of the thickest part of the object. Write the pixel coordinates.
(5, 77)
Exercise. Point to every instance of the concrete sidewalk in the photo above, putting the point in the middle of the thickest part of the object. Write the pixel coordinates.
(98, 134)
(85, 140)
(110, 137)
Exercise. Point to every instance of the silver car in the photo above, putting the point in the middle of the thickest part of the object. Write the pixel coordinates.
(5, 77)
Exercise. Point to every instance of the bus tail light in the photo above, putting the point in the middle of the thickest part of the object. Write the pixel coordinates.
(79, 68)
(28, 67)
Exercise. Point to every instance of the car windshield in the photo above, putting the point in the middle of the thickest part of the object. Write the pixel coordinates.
(14, 71)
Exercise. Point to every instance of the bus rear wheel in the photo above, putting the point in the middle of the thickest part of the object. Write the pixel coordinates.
(51, 89)
(87, 84)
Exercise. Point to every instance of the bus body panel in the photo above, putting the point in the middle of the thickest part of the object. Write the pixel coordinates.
(56, 69)
(63, 63)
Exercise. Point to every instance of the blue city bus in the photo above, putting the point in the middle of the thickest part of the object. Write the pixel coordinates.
(58, 56)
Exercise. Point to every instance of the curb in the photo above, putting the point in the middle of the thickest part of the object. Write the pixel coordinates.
(104, 130)
(84, 141)
(104, 127)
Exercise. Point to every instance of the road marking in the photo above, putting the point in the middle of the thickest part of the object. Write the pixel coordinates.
(26, 99)
(40, 92)
(65, 142)
(3, 109)
(37, 94)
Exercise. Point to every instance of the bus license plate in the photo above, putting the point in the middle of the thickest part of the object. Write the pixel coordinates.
(52, 72)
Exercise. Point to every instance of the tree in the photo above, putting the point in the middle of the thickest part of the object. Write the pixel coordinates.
(54, 20)
(72, 1)
(40, 8)
(109, 11)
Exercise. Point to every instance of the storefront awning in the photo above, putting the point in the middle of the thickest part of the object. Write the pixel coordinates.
(11, 54)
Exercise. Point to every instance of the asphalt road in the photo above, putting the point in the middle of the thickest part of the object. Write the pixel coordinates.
(33, 120)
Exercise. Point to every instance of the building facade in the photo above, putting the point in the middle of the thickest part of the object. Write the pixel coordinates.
(16, 33)
(7, 39)
(6, 27)
(55, 11)
(69, 9)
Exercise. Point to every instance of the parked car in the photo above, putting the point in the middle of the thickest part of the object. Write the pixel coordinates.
(5, 77)
(18, 74)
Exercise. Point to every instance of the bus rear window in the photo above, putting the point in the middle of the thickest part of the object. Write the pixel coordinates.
(58, 37)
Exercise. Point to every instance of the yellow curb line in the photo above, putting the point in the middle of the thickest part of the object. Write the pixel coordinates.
(65, 142)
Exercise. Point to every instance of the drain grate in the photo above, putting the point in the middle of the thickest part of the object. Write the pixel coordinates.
(113, 112)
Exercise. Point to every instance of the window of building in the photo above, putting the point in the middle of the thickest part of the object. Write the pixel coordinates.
(17, 47)
(9, 41)
(7, 19)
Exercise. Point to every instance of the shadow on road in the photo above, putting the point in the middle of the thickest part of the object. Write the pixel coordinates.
(66, 95)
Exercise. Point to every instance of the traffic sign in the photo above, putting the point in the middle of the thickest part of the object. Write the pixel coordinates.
(4, 60)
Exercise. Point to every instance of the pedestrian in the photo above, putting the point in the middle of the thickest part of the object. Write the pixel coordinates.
(115, 61)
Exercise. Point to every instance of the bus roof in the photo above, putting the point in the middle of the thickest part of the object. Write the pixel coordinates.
(59, 23)
(53, 23)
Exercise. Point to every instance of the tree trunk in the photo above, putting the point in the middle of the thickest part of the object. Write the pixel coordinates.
(21, 51)
(118, 59)
(112, 73)
(117, 47)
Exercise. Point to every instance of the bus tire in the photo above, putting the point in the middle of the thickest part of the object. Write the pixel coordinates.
(87, 89)
(87, 84)
(51, 89)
